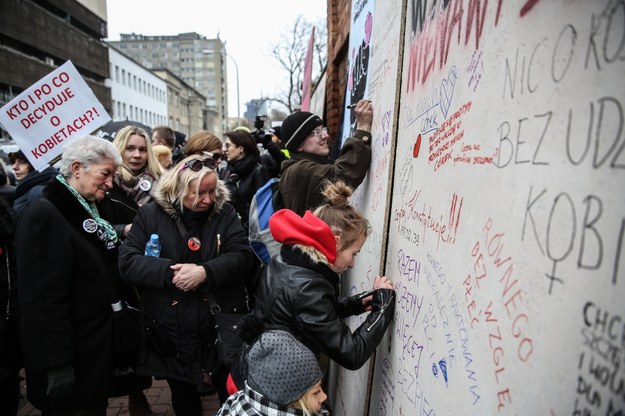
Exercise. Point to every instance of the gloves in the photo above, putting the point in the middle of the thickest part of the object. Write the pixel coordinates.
(60, 381)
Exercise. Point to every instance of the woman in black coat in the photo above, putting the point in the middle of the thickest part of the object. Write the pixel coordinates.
(65, 252)
(204, 252)
(244, 173)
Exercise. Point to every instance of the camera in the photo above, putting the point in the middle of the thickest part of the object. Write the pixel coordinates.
(260, 135)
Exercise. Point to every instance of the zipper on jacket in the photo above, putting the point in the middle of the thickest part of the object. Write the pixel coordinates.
(382, 309)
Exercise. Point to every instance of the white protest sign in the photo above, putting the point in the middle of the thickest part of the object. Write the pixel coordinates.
(51, 112)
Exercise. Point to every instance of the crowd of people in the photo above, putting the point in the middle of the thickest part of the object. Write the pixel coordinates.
(73, 239)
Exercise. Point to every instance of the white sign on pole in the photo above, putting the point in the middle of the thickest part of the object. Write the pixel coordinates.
(51, 112)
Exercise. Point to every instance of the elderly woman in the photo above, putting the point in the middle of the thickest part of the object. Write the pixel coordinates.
(204, 251)
(65, 252)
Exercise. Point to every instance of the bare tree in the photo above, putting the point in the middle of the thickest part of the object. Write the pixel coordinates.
(290, 52)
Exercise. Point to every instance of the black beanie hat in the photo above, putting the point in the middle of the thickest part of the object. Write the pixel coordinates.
(296, 127)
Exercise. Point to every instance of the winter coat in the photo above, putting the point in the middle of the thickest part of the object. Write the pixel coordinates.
(242, 179)
(302, 297)
(31, 188)
(178, 326)
(304, 174)
(66, 313)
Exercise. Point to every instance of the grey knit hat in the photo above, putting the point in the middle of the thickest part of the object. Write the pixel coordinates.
(281, 368)
(296, 127)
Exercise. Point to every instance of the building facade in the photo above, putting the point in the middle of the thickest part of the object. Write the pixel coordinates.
(185, 106)
(196, 60)
(136, 93)
(37, 36)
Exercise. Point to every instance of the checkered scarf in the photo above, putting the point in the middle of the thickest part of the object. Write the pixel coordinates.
(251, 403)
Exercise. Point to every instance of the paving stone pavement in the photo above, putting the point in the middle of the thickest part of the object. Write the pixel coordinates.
(158, 396)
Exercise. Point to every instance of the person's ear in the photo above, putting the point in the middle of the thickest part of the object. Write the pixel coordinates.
(75, 168)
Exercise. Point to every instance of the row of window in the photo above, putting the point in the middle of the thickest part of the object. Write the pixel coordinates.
(130, 112)
(142, 86)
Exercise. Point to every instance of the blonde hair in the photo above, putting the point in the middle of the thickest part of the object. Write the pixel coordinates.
(202, 141)
(153, 168)
(174, 185)
(162, 153)
(304, 403)
(344, 220)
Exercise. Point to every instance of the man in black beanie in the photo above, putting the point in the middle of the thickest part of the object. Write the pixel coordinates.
(306, 140)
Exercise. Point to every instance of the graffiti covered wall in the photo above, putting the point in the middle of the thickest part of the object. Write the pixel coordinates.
(507, 215)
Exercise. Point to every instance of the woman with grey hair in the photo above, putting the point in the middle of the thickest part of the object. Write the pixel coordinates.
(65, 251)
(204, 255)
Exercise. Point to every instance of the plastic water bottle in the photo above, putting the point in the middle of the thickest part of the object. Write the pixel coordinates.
(153, 246)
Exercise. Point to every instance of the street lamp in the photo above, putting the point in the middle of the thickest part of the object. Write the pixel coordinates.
(238, 103)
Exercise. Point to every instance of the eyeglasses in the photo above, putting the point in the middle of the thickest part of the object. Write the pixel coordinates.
(196, 165)
(317, 132)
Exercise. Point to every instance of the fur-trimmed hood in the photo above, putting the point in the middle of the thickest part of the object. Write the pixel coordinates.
(172, 207)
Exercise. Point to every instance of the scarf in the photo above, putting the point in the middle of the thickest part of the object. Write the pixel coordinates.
(138, 188)
(91, 208)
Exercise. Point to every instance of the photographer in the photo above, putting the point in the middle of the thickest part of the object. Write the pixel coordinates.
(274, 155)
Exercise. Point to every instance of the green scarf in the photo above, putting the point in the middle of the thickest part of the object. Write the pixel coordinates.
(92, 210)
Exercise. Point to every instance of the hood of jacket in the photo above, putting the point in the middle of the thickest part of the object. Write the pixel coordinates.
(33, 179)
(172, 206)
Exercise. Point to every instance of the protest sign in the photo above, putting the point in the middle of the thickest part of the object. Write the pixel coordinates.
(57, 108)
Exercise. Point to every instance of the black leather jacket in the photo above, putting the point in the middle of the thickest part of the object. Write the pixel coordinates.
(301, 297)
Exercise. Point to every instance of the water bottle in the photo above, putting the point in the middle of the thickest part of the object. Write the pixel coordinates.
(153, 246)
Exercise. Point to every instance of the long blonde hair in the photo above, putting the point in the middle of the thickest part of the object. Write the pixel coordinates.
(153, 168)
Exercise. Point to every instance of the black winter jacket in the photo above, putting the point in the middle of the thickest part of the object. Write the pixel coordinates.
(302, 297)
(66, 312)
(178, 329)
(242, 179)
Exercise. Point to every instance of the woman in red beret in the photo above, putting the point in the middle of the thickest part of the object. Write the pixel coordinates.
(300, 290)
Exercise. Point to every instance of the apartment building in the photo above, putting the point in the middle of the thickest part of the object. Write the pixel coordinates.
(194, 59)
(136, 92)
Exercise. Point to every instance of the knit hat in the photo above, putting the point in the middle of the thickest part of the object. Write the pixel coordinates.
(296, 127)
(281, 368)
(289, 228)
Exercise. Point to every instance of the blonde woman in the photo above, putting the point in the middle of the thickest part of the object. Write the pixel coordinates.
(133, 182)
(204, 251)
(135, 178)
(300, 290)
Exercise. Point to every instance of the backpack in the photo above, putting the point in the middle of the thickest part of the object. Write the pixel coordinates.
(265, 202)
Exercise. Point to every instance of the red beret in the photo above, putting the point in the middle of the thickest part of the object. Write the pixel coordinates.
(289, 228)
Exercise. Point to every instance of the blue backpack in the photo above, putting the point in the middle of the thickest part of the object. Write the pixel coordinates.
(265, 202)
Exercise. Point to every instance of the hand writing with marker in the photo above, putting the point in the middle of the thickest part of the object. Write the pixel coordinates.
(364, 115)
(380, 282)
